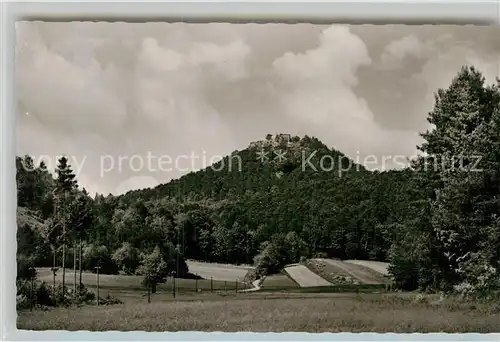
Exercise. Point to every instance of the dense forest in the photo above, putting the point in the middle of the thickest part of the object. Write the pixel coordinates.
(437, 221)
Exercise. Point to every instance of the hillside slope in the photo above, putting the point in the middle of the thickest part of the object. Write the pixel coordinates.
(275, 190)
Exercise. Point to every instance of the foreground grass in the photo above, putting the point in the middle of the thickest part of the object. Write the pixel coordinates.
(278, 312)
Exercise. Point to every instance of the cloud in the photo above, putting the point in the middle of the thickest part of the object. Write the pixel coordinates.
(320, 92)
(129, 90)
(396, 51)
(80, 106)
(431, 62)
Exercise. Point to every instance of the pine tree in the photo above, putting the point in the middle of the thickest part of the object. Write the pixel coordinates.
(82, 222)
(464, 215)
(65, 187)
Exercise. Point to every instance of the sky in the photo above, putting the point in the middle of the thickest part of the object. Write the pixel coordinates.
(133, 105)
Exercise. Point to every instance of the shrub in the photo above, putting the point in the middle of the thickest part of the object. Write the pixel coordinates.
(109, 300)
(22, 302)
(43, 296)
(25, 266)
(320, 255)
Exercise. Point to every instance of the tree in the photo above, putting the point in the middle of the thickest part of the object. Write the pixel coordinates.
(26, 181)
(154, 269)
(94, 255)
(174, 259)
(81, 220)
(268, 261)
(464, 216)
(27, 241)
(295, 246)
(127, 258)
(66, 184)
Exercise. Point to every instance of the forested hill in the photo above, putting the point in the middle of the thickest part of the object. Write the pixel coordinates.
(438, 228)
(278, 160)
(292, 192)
(287, 185)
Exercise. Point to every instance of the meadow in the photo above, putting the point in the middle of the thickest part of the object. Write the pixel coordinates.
(280, 304)
(116, 284)
(276, 312)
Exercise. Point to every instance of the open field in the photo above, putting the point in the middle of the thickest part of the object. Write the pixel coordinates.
(361, 274)
(280, 305)
(119, 283)
(305, 277)
(273, 312)
(329, 272)
(218, 271)
(377, 266)
(278, 281)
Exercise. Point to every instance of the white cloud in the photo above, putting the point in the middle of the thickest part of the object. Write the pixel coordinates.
(122, 89)
(154, 104)
(397, 50)
(320, 92)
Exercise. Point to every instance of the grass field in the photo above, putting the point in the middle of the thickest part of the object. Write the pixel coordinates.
(280, 305)
(218, 271)
(305, 277)
(278, 281)
(329, 268)
(124, 283)
(277, 312)
(378, 266)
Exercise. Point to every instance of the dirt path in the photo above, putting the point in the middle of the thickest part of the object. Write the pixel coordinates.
(361, 273)
(256, 286)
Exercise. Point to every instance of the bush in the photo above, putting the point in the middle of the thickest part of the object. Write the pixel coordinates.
(43, 296)
(320, 255)
(86, 296)
(22, 302)
(25, 266)
(109, 300)
(250, 277)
